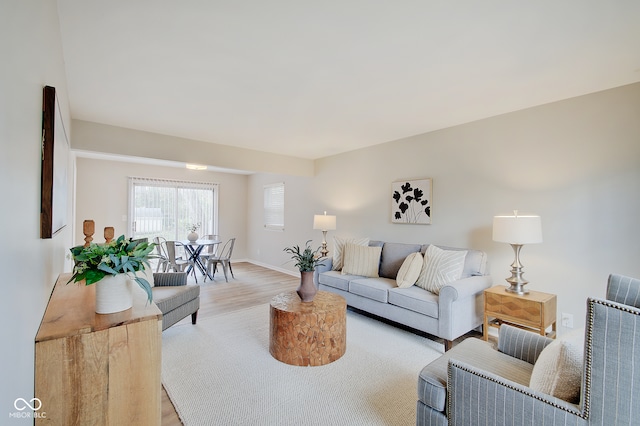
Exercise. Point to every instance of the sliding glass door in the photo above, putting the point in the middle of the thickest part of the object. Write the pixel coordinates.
(167, 208)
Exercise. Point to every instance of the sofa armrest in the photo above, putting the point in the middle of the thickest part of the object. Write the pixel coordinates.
(463, 288)
(521, 344)
(460, 306)
(327, 264)
(477, 397)
(161, 279)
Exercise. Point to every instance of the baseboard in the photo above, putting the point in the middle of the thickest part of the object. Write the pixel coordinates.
(273, 268)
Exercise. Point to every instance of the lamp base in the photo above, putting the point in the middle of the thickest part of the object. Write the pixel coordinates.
(517, 288)
(516, 280)
(324, 252)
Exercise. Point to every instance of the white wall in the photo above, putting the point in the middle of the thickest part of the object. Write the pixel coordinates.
(576, 163)
(32, 58)
(102, 195)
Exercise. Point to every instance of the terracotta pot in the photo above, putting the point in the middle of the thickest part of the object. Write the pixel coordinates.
(307, 289)
(113, 294)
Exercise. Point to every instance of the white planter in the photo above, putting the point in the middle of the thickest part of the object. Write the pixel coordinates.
(193, 236)
(113, 294)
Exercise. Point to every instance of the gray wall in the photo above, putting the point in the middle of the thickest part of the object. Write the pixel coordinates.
(32, 58)
(576, 163)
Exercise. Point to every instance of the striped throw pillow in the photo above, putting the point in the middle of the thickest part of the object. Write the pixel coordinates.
(338, 249)
(361, 260)
(440, 267)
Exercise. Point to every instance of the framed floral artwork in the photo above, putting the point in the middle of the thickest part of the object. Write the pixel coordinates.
(411, 201)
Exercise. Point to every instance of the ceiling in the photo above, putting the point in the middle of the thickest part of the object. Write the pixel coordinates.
(316, 78)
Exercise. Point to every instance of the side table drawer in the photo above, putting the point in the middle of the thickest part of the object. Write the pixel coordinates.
(528, 310)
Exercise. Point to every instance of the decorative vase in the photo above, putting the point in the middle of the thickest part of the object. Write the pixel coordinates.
(193, 236)
(113, 294)
(307, 289)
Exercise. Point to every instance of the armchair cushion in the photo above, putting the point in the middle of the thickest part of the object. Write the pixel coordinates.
(558, 370)
(432, 380)
(171, 297)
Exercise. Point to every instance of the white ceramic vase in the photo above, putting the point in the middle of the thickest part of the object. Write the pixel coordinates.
(113, 294)
(193, 236)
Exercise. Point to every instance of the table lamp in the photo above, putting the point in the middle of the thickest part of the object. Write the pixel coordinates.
(517, 231)
(325, 223)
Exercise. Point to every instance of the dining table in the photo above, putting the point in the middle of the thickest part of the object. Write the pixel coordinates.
(194, 249)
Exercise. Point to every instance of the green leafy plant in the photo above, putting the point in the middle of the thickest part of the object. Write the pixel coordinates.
(307, 259)
(121, 256)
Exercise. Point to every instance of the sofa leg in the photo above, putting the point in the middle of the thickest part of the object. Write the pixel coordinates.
(194, 317)
(448, 344)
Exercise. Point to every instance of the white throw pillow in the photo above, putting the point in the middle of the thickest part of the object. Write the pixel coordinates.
(147, 274)
(410, 270)
(558, 370)
(338, 249)
(361, 260)
(440, 267)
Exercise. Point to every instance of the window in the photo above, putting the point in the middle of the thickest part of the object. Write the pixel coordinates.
(166, 208)
(274, 206)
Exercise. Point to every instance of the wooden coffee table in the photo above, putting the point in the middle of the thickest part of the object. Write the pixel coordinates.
(308, 334)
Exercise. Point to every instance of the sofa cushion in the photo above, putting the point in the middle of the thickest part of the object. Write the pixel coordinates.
(432, 380)
(372, 288)
(440, 267)
(336, 279)
(410, 270)
(475, 263)
(361, 260)
(338, 249)
(415, 299)
(393, 254)
(170, 297)
(558, 370)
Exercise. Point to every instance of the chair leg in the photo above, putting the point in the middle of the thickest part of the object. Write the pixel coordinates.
(230, 269)
(194, 317)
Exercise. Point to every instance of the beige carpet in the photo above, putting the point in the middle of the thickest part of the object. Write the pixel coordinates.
(220, 372)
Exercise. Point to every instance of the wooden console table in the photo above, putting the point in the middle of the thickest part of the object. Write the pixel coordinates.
(534, 311)
(93, 369)
(311, 333)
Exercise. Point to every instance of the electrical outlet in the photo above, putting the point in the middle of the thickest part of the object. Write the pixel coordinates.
(567, 320)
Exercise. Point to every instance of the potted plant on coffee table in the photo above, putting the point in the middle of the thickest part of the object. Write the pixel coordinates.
(306, 261)
(110, 266)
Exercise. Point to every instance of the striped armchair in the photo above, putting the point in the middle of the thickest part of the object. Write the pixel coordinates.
(175, 299)
(477, 385)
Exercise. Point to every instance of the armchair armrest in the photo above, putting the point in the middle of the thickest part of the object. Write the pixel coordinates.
(503, 401)
(161, 279)
(521, 344)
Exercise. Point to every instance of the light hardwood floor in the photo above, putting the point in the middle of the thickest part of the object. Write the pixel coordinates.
(253, 285)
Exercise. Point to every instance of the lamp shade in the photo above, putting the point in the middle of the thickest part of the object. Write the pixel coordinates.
(517, 229)
(324, 222)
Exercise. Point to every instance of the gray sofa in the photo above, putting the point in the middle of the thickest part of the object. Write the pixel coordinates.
(475, 384)
(455, 311)
(175, 299)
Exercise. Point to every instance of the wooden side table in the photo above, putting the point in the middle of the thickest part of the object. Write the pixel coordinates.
(308, 334)
(534, 311)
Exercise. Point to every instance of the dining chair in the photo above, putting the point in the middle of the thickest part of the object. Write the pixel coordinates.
(161, 254)
(223, 259)
(175, 263)
(210, 250)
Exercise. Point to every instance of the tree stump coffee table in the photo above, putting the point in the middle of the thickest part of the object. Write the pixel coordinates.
(308, 334)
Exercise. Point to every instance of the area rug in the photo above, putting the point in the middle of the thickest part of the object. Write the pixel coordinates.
(220, 372)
